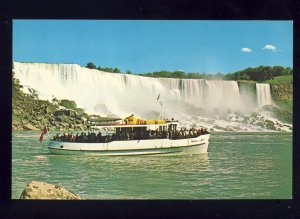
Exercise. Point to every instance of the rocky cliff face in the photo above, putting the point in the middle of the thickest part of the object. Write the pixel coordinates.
(42, 190)
(31, 113)
(282, 91)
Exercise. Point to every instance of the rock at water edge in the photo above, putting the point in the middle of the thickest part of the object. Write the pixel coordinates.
(42, 190)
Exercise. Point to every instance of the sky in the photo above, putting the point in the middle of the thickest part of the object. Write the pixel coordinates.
(153, 45)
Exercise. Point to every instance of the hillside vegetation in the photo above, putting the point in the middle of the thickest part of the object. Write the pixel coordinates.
(284, 79)
(260, 74)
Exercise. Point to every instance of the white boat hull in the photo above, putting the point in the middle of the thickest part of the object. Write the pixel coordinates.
(198, 145)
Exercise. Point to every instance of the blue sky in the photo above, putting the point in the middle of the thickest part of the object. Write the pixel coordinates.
(147, 46)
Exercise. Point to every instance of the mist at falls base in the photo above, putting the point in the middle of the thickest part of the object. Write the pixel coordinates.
(216, 105)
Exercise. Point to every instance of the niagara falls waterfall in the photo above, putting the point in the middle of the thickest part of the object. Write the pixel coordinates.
(263, 94)
(116, 94)
(120, 94)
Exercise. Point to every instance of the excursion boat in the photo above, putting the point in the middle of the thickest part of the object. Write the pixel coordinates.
(134, 136)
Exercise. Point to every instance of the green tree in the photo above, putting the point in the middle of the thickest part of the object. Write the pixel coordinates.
(116, 70)
(70, 104)
(287, 71)
(90, 65)
(193, 75)
(178, 74)
(278, 70)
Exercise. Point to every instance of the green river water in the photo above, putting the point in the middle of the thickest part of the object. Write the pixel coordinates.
(237, 166)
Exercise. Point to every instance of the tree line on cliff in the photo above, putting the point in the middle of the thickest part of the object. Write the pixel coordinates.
(259, 74)
(91, 65)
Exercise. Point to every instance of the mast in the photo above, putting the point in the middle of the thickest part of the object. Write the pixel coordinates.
(161, 107)
(161, 110)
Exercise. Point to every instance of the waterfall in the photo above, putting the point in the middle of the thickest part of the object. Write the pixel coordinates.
(263, 93)
(123, 94)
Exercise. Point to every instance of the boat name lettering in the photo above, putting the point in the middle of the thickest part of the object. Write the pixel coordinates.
(198, 140)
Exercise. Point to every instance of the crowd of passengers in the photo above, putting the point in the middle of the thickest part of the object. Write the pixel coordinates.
(92, 137)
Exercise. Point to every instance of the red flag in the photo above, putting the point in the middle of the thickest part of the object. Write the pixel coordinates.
(42, 135)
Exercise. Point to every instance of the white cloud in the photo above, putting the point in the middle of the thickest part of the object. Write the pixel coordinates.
(270, 47)
(246, 50)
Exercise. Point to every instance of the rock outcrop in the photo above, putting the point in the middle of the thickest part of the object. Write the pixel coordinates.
(42, 190)
(31, 113)
(282, 91)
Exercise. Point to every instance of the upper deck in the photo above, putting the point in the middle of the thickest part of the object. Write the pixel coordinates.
(132, 122)
(149, 126)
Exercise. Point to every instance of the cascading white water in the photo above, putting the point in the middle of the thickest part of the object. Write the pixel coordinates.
(122, 94)
(263, 93)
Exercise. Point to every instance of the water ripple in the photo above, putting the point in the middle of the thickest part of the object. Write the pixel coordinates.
(238, 165)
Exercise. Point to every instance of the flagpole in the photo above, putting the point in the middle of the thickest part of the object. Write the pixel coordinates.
(43, 133)
(160, 102)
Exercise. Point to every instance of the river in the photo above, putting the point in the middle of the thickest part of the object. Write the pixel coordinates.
(237, 166)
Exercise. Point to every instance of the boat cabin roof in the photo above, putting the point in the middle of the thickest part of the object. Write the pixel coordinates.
(133, 126)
